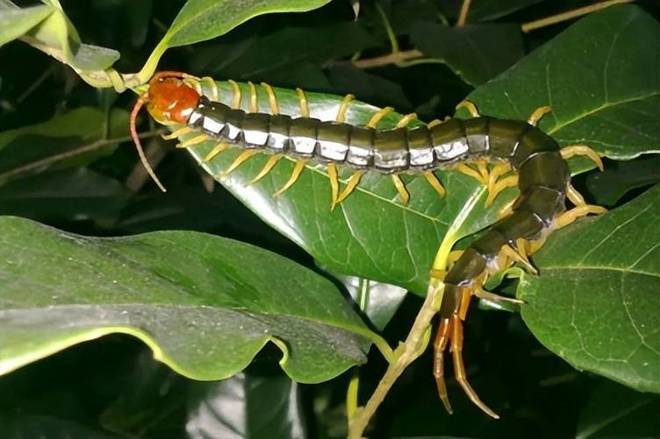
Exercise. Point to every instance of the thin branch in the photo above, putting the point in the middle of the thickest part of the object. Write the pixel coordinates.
(462, 16)
(399, 58)
(29, 167)
(568, 15)
(392, 58)
(405, 354)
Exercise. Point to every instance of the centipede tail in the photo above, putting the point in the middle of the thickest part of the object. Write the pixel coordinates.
(523, 156)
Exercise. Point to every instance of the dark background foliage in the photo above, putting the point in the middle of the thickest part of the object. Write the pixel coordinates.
(112, 387)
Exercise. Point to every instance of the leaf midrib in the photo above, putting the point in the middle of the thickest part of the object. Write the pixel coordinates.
(602, 107)
(244, 311)
(624, 270)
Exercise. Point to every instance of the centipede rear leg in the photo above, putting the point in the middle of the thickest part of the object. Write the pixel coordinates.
(450, 334)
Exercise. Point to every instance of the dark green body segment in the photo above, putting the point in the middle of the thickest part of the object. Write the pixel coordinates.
(542, 172)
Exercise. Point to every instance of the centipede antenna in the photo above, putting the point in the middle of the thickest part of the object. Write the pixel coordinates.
(136, 140)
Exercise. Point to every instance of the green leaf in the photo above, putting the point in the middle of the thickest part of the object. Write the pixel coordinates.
(396, 249)
(70, 139)
(58, 37)
(201, 20)
(609, 99)
(246, 406)
(476, 53)
(615, 411)
(204, 305)
(279, 50)
(372, 235)
(15, 22)
(596, 303)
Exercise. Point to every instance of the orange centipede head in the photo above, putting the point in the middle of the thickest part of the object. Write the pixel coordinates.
(169, 100)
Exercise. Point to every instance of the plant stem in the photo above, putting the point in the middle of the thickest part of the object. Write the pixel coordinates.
(28, 167)
(568, 15)
(392, 58)
(462, 16)
(405, 354)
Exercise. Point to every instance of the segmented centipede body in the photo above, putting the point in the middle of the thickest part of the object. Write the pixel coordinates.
(536, 159)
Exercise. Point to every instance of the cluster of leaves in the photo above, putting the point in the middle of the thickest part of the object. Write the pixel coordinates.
(206, 305)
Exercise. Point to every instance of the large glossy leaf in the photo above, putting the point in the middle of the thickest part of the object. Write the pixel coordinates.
(372, 234)
(597, 300)
(205, 305)
(602, 84)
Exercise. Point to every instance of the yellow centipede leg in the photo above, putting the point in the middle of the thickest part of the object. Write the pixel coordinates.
(254, 103)
(573, 150)
(236, 99)
(538, 114)
(465, 169)
(435, 183)
(470, 107)
(177, 133)
(210, 82)
(352, 183)
(405, 120)
(378, 115)
(194, 82)
(193, 141)
(304, 106)
(401, 188)
(483, 294)
(334, 184)
(482, 167)
(519, 257)
(343, 108)
(217, 149)
(270, 164)
(574, 196)
(570, 216)
(510, 181)
(497, 171)
(272, 99)
(297, 170)
(242, 157)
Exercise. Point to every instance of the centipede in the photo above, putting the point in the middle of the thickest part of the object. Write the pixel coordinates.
(499, 153)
